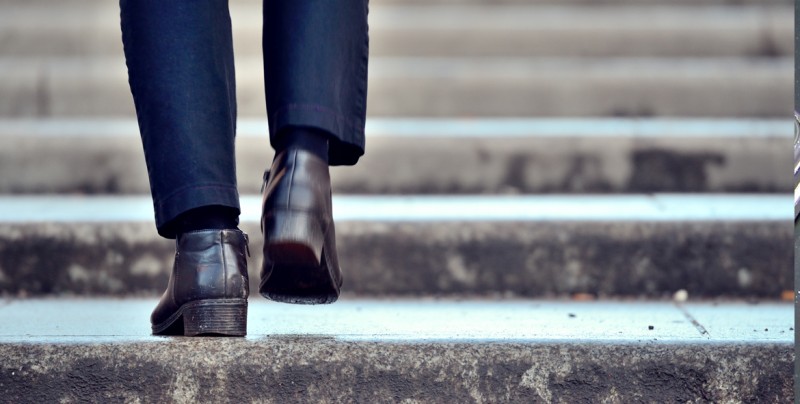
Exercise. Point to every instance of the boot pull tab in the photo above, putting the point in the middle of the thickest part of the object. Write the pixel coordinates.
(264, 183)
(246, 243)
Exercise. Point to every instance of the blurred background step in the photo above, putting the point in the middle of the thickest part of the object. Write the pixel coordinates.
(407, 351)
(455, 30)
(654, 3)
(378, 3)
(437, 156)
(450, 87)
(621, 246)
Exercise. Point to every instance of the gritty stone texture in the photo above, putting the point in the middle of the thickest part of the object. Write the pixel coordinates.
(311, 369)
(566, 164)
(796, 290)
(119, 258)
(476, 350)
(535, 259)
(654, 259)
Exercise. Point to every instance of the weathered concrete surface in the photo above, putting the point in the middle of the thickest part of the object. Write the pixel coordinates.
(710, 246)
(488, 30)
(413, 156)
(453, 87)
(368, 351)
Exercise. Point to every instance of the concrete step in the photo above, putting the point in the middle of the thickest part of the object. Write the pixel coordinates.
(456, 30)
(451, 87)
(649, 246)
(404, 351)
(438, 156)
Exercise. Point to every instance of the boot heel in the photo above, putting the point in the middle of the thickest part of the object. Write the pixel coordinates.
(218, 317)
(293, 238)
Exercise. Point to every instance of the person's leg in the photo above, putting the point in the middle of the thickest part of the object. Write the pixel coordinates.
(315, 73)
(180, 67)
(315, 66)
(179, 55)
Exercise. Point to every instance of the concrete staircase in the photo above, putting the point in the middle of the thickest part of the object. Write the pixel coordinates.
(412, 351)
(532, 246)
(542, 177)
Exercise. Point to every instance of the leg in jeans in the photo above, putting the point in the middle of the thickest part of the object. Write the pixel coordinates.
(315, 71)
(180, 67)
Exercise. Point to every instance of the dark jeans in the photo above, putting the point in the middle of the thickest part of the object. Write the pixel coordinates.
(179, 55)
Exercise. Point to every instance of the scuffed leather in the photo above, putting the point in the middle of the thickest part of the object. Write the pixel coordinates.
(209, 264)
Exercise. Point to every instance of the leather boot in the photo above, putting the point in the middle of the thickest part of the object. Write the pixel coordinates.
(208, 288)
(300, 264)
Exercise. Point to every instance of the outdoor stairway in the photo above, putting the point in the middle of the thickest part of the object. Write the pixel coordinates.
(545, 184)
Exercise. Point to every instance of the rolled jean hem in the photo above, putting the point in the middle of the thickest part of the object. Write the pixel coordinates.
(348, 134)
(191, 197)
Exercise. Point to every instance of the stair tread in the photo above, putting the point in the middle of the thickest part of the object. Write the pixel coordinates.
(457, 86)
(474, 127)
(244, 14)
(410, 351)
(64, 320)
(590, 208)
(437, 156)
(437, 30)
(548, 246)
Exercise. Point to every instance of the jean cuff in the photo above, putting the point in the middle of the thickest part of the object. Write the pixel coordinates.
(190, 197)
(348, 133)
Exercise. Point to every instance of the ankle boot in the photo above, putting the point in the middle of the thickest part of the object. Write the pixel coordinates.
(300, 263)
(208, 287)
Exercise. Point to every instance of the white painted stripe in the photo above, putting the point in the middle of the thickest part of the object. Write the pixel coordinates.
(445, 128)
(590, 208)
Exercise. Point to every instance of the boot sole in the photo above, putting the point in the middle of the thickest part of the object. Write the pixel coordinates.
(220, 317)
(294, 256)
(297, 277)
